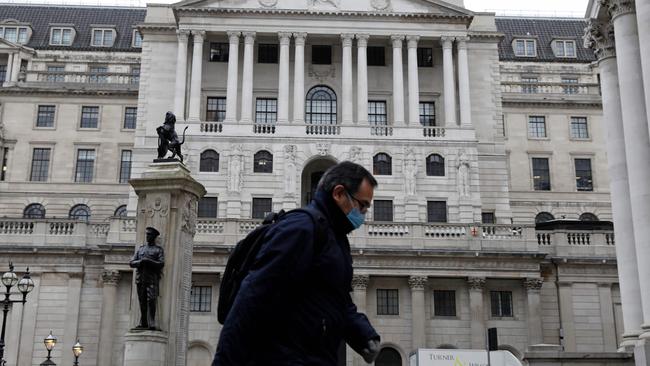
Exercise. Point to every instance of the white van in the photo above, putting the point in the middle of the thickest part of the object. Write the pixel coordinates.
(462, 357)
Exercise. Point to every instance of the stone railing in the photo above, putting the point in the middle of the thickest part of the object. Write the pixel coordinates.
(564, 242)
(81, 79)
(567, 89)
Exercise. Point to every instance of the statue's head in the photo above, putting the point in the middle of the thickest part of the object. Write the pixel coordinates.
(170, 118)
(151, 234)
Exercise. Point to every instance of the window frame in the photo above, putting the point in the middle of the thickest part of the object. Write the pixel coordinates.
(322, 47)
(576, 137)
(73, 34)
(125, 165)
(265, 168)
(530, 121)
(201, 299)
(374, 51)
(431, 170)
(118, 211)
(77, 160)
(216, 102)
(392, 300)
(103, 37)
(213, 203)
(207, 159)
(37, 205)
(134, 39)
(526, 42)
(422, 55)
(570, 85)
(376, 167)
(564, 42)
(378, 210)
(422, 111)
(312, 110)
(81, 117)
(377, 119)
(259, 200)
(222, 47)
(268, 53)
(83, 207)
(38, 115)
(270, 117)
(550, 177)
(46, 176)
(591, 188)
(56, 78)
(498, 312)
(28, 32)
(453, 306)
(125, 112)
(490, 214)
(529, 84)
(430, 210)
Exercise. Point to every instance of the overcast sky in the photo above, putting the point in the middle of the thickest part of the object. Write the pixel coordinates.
(502, 7)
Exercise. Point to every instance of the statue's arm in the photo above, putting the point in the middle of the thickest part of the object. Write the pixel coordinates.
(135, 261)
(159, 261)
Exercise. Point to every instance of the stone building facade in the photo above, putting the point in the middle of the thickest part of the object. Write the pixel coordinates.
(493, 207)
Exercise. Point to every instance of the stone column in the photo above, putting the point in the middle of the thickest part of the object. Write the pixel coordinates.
(10, 67)
(71, 323)
(346, 76)
(602, 40)
(15, 66)
(463, 83)
(414, 81)
(607, 317)
(567, 323)
(299, 79)
(197, 77)
(233, 77)
(283, 87)
(110, 280)
(643, 21)
(449, 81)
(418, 321)
(476, 287)
(398, 81)
(167, 200)
(362, 79)
(359, 287)
(533, 289)
(247, 80)
(181, 74)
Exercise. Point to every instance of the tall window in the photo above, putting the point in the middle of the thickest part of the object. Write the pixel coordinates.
(267, 53)
(216, 109)
(40, 165)
(266, 110)
(219, 52)
(321, 55)
(584, 180)
(487, 217)
(543, 217)
(55, 73)
(562, 48)
(525, 48)
(541, 174)
(125, 166)
(376, 56)
(61, 37)
(529, 85)
(382, 164)
(383, 210)
(435, 165)
(120, 211)
(208, 207)
(261, 207)
(428, 114)
(579, 128)
(501, 303)
(130, 117)
(103, 37)
(387, 302)
(98, 74)
(137, 39)
(3, 73)
(377, 113)
(263, 162)
(209, 161)
(444, 302)
(45, 117)
(436, 211)
(570, 85)
(321, 106)
(537, 126)
(425, 57)
(201, 299)
(89, 117)
(85, 166)
(80, 212)
(34, 211)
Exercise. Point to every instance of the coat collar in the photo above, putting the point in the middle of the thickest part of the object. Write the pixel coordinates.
(337, 218)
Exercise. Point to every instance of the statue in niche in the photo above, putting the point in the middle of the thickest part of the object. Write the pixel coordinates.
(463, 175)
(290, 169)
(410, 172)
(235, 171)
(148, 262)
(168, 138)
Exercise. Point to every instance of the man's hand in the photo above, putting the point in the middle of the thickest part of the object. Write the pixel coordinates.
(371, 351)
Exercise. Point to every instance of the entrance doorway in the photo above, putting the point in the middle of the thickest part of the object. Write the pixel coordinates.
(311, 175)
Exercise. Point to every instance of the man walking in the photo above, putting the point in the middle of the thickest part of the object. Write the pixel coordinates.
(294, 306)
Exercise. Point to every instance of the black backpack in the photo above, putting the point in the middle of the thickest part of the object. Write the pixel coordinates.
(242, 257)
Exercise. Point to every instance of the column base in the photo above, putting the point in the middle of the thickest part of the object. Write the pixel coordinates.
(145, 348)
(630, 340)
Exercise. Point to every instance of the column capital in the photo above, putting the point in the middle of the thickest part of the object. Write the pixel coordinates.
(413, 41)
(533, 284)
(447, 41)
(249, 37)
(360, 282)
(198, 35)
(462, 42)
(599, 36)
(617, 8)
(285, 38)
(476, 283)
(183, 35)
(397, 40)
(346, 39)
(300, 38)
(110, 277)
(233, 36)
(362, 40)
(417, 282)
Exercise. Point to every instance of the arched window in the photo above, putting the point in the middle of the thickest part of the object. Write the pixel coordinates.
(320, 107)
(435, 165)
(388, 357)
(543, 217)
(80, 212)
(382, 164)
(209, 161)
(263, 162)
(588, 216)
(34, 211)
(120, 211)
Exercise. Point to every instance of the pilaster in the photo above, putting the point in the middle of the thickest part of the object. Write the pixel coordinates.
(362, 79)
(346, 75)
(299, 78)
(398, 81)
(448, 80)
(477, 312)
(283, 78)
(533, 288)
(110, 280)
(463, 83)
(233, 76)
(414, 81)
(418, 320)
(181, 74)
(197, 76)
(247, 79)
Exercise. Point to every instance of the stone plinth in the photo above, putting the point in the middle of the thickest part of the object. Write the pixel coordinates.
(145, 348)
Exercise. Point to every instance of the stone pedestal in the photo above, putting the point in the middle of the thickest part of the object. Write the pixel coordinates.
(168, 201)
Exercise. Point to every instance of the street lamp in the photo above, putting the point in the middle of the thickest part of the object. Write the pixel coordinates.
(50, 342)
(25, 285)
(77, 349)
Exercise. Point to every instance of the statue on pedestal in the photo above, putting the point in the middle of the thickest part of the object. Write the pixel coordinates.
(168, 138)
(148, 261)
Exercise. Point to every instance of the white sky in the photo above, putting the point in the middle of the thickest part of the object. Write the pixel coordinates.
(575, 8)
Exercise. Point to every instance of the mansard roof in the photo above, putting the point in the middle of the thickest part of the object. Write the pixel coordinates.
(82, 18)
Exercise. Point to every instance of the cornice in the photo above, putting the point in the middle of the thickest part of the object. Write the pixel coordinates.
(38, 91)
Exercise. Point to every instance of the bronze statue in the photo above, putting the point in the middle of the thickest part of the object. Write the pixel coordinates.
(148, 261)
(168, 138)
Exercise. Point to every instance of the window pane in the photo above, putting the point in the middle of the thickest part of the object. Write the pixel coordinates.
(383, 210)
(209, 161)
(520, 48)
(267, 53)
(570, 48)
(11, 34)
(266, 110)
(34, 211)
(541, 174)
(435, 165)
(579, 129)
(3, 73)
(125, 166)
(108, 38)
(22, 35)
(85, 166)
(216, 109)
(40, 165)
(80, 212)
(537, 126)
(376, 56)
(321, 55)
(56, 36)
(382, 164)
(219, 52)
(377, 113)
(201, 299)
(89, 117)
(263, 162)
(97, 37)
(130, 117)
(67, 37)
(387, 302)
(208, 207)
(501, 303)
(444, 302)
(559, 48)
(427, 114)
(320, 106)
(530, 48)
(487, 217)
(261, 207)
(584, 180)
(436, 211)
(425, 57)
(45, 117)
(137, 39)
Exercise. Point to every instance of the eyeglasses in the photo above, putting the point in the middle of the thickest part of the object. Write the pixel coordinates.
(363, 205)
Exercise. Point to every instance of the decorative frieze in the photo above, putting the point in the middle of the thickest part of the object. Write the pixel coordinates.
(360, 282)
(599, 36)
(533, 284)
(476, 283)
(417, 282)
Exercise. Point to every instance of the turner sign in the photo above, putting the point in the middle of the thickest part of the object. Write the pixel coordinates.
(457, 357)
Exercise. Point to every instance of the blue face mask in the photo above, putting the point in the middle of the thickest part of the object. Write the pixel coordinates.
(356, 217)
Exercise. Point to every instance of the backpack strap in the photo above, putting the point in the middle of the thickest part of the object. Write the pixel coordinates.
(320, 226)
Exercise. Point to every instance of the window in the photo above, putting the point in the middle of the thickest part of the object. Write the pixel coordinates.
(543, 217)
(435, 165)
(208, 207)
(570, 85)
(321, 55)
(584, 181)
(529, 85)
(219, 52)
(55, 74)
(382, 164)
(321, 106)
(209, 161)
(525, 47)
(135, 74)
(444, 303)
(85, 166)
(120, 211)
(588, 216)
(537, 126)
(103, 37)
(216, 111)
(80, 212)
(436, 211)
(3, 172)
(61, 37)
(267, 53)
(377, 113)
(125, 166)
(97, 74)
(376, 56)
(137, 39)
(387, 302)
(564, 48)
(425, 57)
(487, 217)
(40, 165)
(501, 303)
(541, 174)
(201, 299)
(266, 110)
(579, 128)
(261, 207)
(45, 117)
(3, 73)
(130, 117)
(89, 117)
(34, 211)
(383, 210)
(14, 34)
(263, 162)
(428, 114)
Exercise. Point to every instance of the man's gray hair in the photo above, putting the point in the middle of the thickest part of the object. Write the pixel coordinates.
(347, 174)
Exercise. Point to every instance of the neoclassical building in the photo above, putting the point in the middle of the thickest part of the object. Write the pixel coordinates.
(487, 136)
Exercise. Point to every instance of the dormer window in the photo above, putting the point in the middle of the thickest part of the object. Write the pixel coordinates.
(564, 48)
(525, 47)
(103, 37)
(15, 34)
(61, 36)
(137, 39)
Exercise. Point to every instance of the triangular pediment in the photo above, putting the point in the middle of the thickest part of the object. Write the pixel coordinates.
(6, 45)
